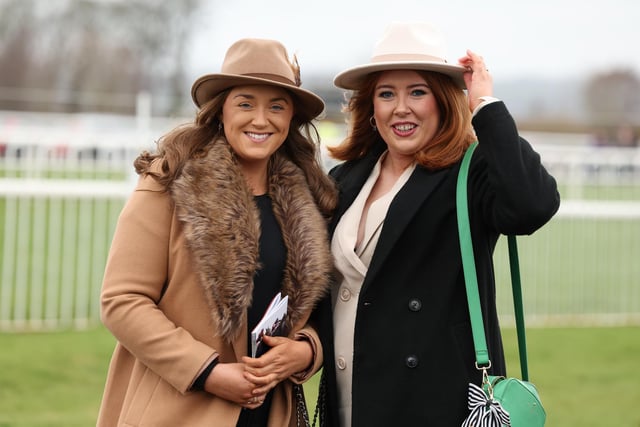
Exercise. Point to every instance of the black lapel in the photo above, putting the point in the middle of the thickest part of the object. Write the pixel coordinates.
(351, 179)
(402, 209)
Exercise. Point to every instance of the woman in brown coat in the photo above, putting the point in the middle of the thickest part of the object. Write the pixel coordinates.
(231, 210)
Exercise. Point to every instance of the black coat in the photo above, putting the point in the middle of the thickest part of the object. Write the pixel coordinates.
(413, 347)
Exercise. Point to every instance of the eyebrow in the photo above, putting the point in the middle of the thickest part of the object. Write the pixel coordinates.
(411, 86)
(249, 96)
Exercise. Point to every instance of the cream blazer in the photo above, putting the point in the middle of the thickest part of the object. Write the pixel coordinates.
(352, 262)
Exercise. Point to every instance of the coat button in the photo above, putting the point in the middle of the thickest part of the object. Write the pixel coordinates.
(342, 364)
(411, 361)
(345, 294)
(415, 304)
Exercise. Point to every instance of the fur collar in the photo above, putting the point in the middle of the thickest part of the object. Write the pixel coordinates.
(222, 228)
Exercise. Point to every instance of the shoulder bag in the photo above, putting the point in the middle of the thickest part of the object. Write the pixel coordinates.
(499, 401)
(302, 413)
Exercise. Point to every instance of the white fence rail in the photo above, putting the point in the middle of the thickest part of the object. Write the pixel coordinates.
(59, 203)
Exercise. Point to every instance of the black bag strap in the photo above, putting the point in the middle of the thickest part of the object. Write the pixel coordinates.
(471, 280)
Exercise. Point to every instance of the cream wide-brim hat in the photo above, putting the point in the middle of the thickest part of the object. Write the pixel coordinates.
(258, 61)
(404, 46)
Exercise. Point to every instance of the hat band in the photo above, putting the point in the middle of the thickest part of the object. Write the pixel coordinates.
(392, 57)
(274, 77)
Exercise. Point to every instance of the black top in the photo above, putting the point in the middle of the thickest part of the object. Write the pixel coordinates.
(267, 282)
(268, 279)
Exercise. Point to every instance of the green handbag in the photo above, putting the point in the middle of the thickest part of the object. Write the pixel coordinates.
(499, 401)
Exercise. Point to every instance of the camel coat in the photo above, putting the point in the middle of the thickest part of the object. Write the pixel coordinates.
(179, 280)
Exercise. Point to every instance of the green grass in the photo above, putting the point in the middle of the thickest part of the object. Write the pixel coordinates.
(586, 377)
(52, 379)
(574, 267)
(600, 192)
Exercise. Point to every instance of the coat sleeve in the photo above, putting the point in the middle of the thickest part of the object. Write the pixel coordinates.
(310, 335)
(516, 192)
(134, 279)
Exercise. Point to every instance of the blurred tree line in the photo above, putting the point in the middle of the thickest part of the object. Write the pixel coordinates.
(612, 100)
(605, 105)
(613, 96)
(97, 55)
(92, 55)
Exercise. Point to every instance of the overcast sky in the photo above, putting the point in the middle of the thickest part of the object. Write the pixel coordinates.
(536, 38)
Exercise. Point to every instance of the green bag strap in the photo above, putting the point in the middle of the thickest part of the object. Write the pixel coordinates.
(471, 280)
(518, 308)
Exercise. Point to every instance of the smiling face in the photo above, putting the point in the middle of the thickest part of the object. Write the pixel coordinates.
(256, 120)
(405, 111)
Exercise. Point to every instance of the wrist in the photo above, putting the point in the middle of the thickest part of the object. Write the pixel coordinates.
(199, 383)
(301, 338)
(483, 101)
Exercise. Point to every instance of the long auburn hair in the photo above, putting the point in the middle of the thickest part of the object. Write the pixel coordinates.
(191, 140)
(454, 135)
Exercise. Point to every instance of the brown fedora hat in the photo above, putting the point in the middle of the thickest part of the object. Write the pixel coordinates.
(258, 61)
(404, 46)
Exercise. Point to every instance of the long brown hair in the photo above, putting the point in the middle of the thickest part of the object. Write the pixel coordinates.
(302, 147)
(454, 135)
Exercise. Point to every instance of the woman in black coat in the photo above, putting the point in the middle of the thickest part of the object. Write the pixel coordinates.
(396, 330)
